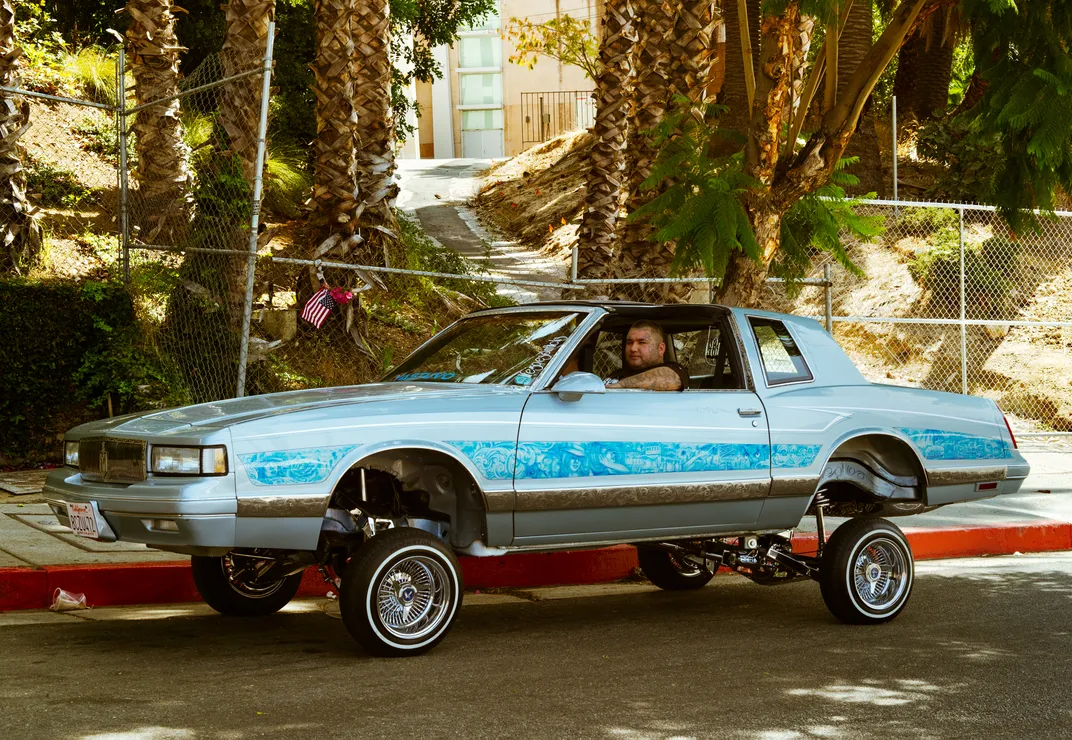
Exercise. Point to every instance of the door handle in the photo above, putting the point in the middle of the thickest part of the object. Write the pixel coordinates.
(749, 412)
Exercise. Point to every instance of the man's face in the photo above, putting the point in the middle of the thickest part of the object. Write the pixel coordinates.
(643, 349)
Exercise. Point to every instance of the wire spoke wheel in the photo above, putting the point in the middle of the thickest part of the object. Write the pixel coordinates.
(879, 574)
(413, 597)
(400, 592)
(866, 571)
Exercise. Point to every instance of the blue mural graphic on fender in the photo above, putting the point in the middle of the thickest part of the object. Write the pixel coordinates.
(496, 460)
(936, 444)
(292, 467)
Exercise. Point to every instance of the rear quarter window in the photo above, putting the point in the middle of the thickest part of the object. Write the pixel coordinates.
(782, 360)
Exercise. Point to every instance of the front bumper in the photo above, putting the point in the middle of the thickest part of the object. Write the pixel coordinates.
(202, 510)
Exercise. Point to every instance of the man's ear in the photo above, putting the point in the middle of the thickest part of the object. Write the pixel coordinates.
(662, 350)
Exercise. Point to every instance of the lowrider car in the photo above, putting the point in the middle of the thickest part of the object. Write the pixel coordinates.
(481, 444)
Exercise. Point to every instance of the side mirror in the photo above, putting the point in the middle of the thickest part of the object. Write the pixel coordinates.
(575, 385)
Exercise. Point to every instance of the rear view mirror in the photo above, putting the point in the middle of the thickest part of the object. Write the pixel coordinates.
(575, 385)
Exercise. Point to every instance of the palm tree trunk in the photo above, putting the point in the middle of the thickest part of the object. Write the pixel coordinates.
(244, 46)
(924, 68)
(595, 257)
(375, 131)
(162, 172)
(734, 93)
(20, 235)
(691, 50)
(334, 197)
(855, 42)
(639, 257)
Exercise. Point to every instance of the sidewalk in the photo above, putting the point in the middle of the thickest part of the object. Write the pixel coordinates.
(37, 555)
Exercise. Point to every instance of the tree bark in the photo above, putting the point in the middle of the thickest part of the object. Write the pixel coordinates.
(855, 43)
(162, 173)
(734, 94)
(375, 132)
(924, 68)
(595, 257)
(640, 257)
(244, 46)
(20, 234)
(334, 200)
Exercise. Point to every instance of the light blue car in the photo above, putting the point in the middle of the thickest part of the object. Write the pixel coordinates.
(481, 444)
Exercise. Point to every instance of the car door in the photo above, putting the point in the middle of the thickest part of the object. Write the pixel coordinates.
(634, 464)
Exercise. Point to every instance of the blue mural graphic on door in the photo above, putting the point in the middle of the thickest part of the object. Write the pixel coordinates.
(537, 460)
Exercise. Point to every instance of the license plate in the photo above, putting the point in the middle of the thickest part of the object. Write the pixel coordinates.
(83, 521)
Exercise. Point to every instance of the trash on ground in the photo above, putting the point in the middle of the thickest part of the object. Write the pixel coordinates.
(64, 601)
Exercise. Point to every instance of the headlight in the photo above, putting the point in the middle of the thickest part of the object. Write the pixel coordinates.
(70, 454)
(189, 460)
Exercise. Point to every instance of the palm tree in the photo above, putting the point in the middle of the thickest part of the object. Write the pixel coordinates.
(244, 46)
(691, 50)
(603, 196)
(924, 68)
(854, 44)
(734, 93)
(639, 257)
(375, 162)
(20, 234)
(162, 171)
(334, 197)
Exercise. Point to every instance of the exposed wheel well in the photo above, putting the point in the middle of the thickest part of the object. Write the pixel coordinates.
(872, 474)
(415, 483)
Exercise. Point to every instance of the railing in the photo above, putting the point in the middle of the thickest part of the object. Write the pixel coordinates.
(545, 115)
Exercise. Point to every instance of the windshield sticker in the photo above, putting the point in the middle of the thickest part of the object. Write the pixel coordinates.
(540, 361)
(444, 375)
(522, 379)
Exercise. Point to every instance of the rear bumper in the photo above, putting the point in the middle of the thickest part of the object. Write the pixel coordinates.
(159, 512)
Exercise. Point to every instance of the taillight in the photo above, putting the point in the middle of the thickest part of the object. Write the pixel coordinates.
(1014, 445)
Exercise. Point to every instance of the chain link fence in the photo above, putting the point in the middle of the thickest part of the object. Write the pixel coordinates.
(947, 297)
(950, 299)
(60, 200)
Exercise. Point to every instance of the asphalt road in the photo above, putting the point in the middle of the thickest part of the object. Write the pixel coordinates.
(983, 650)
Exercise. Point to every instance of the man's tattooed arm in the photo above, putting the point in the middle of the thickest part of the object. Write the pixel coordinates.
(656, 379)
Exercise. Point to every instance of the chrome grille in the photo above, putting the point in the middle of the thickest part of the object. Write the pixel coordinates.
(112, 460)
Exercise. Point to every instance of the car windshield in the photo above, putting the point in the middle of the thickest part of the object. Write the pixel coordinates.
(508, 349)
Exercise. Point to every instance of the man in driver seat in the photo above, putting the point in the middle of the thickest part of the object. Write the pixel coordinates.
(645, 366)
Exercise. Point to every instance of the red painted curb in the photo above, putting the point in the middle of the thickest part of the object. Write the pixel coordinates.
(156, 583)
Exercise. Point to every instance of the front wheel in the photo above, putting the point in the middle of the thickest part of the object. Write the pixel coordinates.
(232, 584)
(400, 592)
(671, 571)
(866, 571)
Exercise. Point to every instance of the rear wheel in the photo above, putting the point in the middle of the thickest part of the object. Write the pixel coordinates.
(671, 571)
(233, 584)
(866, 572)
(400, 592)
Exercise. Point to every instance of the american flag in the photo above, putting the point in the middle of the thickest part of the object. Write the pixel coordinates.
(319, 306)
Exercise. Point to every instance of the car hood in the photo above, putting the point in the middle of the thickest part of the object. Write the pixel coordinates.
(218, 414)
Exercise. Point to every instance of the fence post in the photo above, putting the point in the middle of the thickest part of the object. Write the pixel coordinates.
(963, 315)
(828, 293)
(896, 210)
(573, 264)
(124, 184)
(254, 221)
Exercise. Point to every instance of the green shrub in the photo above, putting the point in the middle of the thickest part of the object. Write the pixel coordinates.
(286, 180)
(51, 186)
(94, 72)
(66, 347)
(424, 254)
(922, 221)
(987, 267)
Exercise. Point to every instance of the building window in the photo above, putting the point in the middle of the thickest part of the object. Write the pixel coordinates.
(490, 23)
(478, 120)
(479, 51)
(481, 89)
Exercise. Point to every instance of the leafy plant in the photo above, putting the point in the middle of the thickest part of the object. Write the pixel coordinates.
(286, 179)
(94, 72)
(699, 206)
(51, 186)
(565, 39)
(988, 266)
